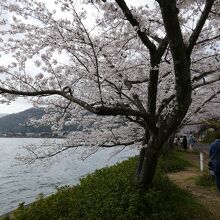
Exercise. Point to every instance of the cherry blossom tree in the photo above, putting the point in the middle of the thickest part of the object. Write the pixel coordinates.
(130, 78)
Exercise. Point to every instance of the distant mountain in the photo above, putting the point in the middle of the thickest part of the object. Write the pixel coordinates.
(16, 123)
(3, 114)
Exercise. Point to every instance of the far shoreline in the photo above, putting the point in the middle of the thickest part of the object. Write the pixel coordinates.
(33, 137)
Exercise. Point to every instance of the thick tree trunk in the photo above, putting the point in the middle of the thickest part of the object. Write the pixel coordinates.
(147, 163)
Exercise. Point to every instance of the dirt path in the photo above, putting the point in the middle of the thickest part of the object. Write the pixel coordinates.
(186, 180)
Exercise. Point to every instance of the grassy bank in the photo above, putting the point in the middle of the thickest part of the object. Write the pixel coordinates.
(110, 194)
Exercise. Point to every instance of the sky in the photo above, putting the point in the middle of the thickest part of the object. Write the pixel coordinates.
(21, 104)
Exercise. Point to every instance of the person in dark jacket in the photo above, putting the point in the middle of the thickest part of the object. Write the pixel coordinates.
(214, 154)
(184, 142)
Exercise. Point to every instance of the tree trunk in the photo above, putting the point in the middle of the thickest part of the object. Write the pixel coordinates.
(140, 162)
(168, 146)
(147, 163)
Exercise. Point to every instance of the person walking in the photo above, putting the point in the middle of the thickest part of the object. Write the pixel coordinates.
(175, 141)
(214, 155)
(191, 142)
(184, 143)
(181, 141)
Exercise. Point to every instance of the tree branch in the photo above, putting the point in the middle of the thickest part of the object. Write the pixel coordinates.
(195, 34)
(139, 103)
(206, 40)
(138, 121)
(129, 83)
(120, 110)
(122, 143)
(99, 110)
(180, 59)
(162, 47)
(206, 101)
(80, 102)
(204, 83)
(133, 21)
(202, 75)
(164, 103)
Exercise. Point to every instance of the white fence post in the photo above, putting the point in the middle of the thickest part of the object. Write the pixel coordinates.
(201, 161)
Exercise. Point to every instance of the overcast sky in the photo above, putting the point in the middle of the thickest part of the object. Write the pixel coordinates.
(21, 104)
(17, 106)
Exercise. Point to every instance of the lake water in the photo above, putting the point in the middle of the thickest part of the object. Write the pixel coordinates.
(23, 183)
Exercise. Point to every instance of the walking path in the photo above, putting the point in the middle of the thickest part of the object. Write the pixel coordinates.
(201, 147)
(186, 180)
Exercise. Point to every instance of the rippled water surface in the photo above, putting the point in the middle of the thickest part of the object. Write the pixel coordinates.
(23, 183)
